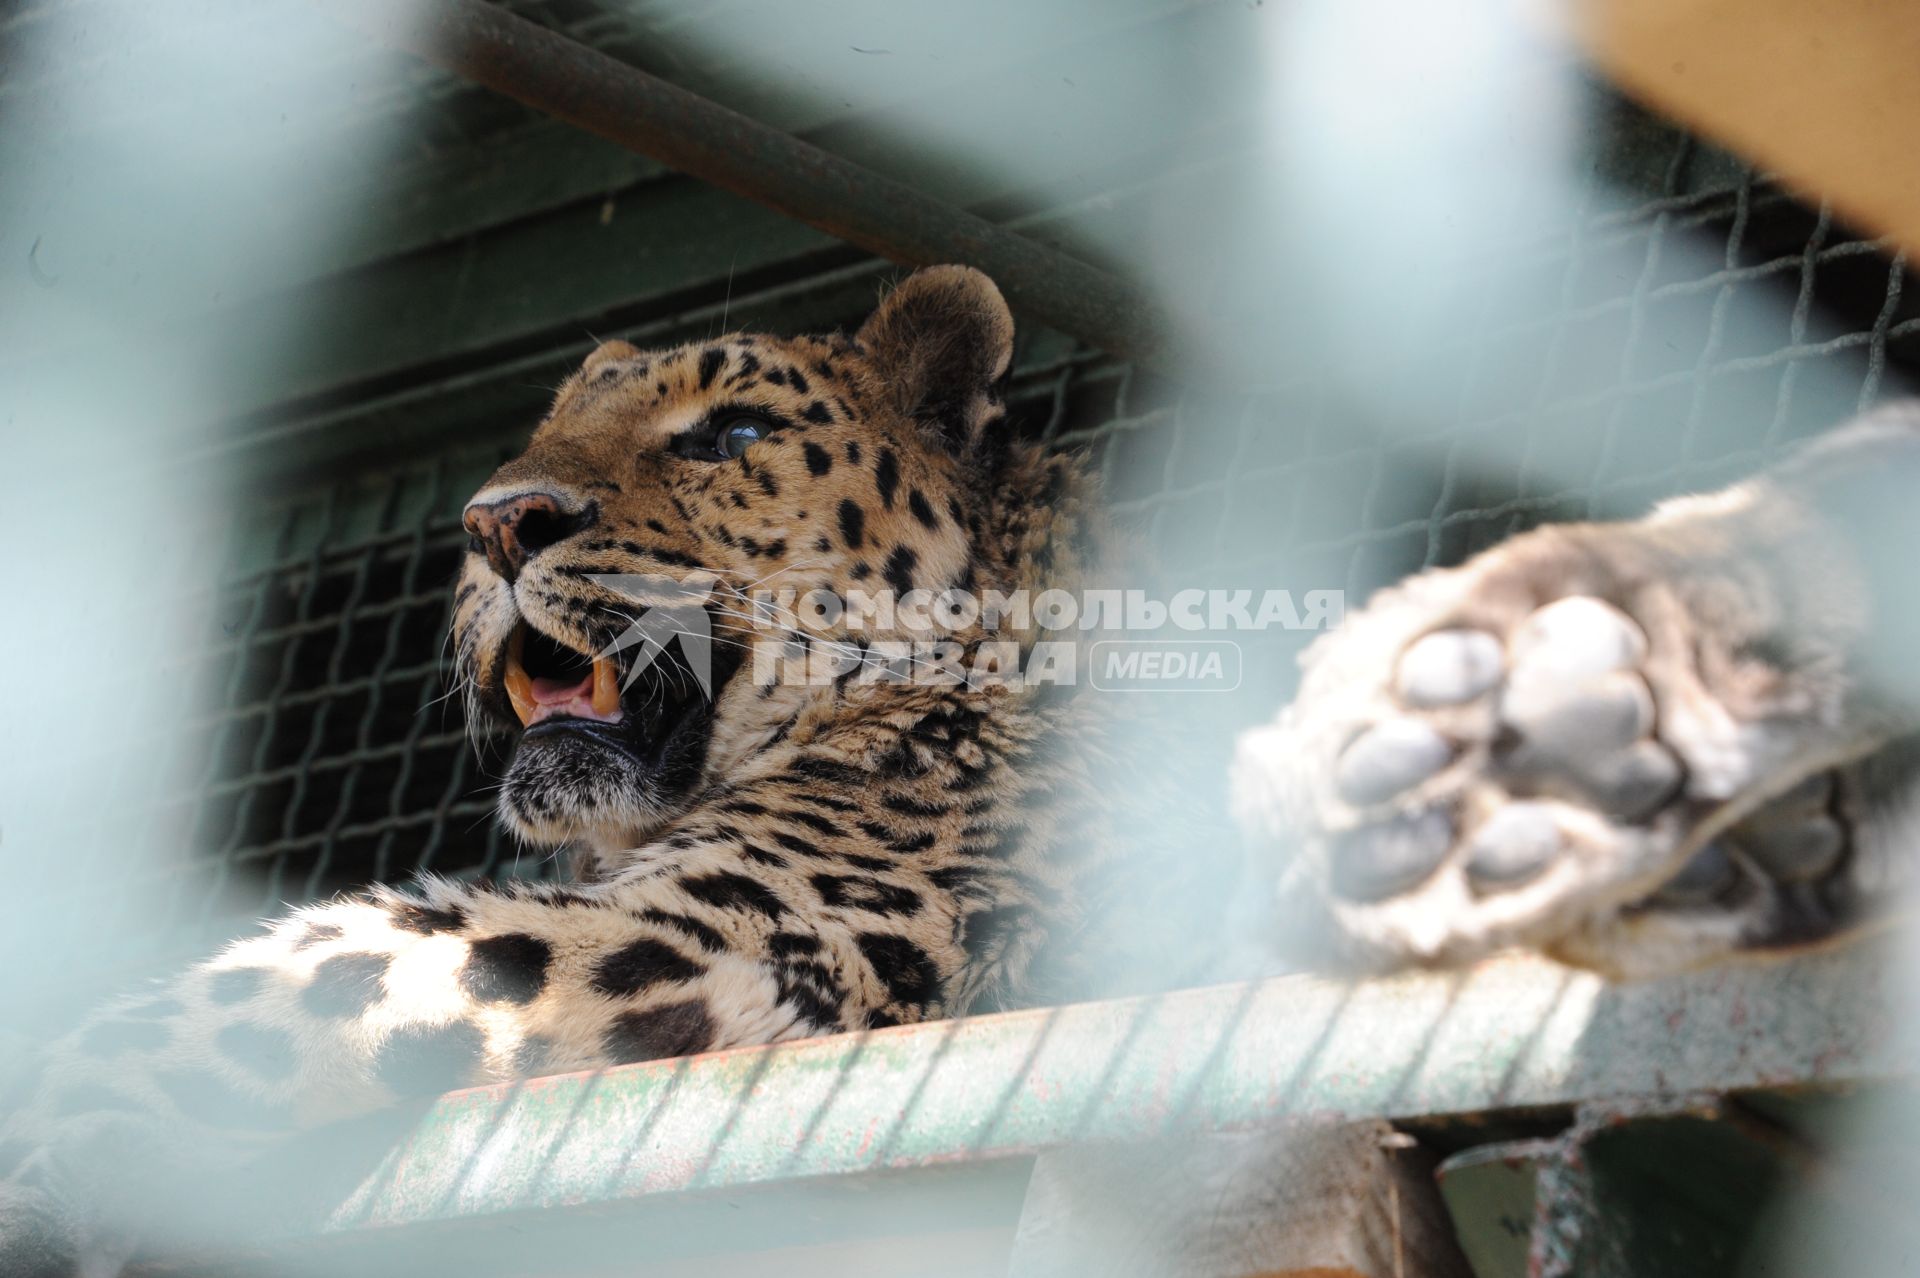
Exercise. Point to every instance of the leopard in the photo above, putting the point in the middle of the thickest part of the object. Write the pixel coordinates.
(756, 855)
(1634, 746)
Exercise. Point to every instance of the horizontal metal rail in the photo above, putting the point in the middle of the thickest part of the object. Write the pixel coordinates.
(1512, 1034)
(647, 115)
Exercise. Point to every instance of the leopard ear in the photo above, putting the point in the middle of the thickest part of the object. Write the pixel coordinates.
(941, 342)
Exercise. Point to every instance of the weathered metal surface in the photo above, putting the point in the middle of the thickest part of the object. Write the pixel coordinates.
(1628, 1190)
(647, 115)
(1507, 1035)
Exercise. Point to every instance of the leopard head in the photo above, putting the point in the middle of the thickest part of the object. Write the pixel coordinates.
(666, 486)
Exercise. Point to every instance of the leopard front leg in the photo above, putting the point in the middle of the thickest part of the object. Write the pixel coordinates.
(353, 1006)
(1636, 746)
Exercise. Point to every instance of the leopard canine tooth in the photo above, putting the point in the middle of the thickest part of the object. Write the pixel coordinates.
(518, 682)
(606, 686)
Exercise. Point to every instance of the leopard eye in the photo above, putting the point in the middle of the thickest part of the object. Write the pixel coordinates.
(736, 434)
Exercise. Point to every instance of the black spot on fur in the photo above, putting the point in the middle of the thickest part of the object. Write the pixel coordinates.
(899, 569)
(862, 893)
(657, 526)
(206, 1098)
(693, 929)
(531, 1056)
(917, 503)
(817, 412)
(345, 985)
(235, 985)
(983, 932)
(110, 1038)
(853, 524)
(678, 1029)
(814, 820)
(832, 771)
(710, 362)
(818, 460)
(905, 968)
(795, 843)
(789, 944)
(317, 933)
(853, 451)
(735, 891)
(643, 963)
(425, 920)
(267, 1054)
(809, 989)
(425, 1061)
(886, 476)
(897, 840)
(506, 969)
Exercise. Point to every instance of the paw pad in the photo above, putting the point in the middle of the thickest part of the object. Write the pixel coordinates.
(1577, 716)
(1579, 637)
(1388, 758)
(1449, 667)
(1561, 721)
(1795, 838)
(1381, 860)
(1795, 852)
(1513, 846)
(1706, 878)
(1565, 729)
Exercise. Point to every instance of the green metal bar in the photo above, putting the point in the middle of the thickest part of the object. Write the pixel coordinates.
(645, 114)
(1511, 1034)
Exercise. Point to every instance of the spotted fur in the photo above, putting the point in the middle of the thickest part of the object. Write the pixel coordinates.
(797, 859)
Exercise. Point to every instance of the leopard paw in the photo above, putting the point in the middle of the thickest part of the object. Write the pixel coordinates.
(1550, 748)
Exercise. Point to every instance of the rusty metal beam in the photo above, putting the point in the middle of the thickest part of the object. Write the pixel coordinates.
(645, 114)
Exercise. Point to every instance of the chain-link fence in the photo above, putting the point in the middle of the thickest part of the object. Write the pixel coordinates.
(331, 754)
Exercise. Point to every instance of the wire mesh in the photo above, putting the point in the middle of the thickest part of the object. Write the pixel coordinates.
(327, 751)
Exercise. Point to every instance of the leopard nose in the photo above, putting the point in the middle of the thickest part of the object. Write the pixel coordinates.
(511, 530)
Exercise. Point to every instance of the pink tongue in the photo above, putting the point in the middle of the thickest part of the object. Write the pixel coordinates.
(554, 698)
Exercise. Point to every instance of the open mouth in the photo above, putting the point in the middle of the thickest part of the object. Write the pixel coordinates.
(653, 711)
(546, 680)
